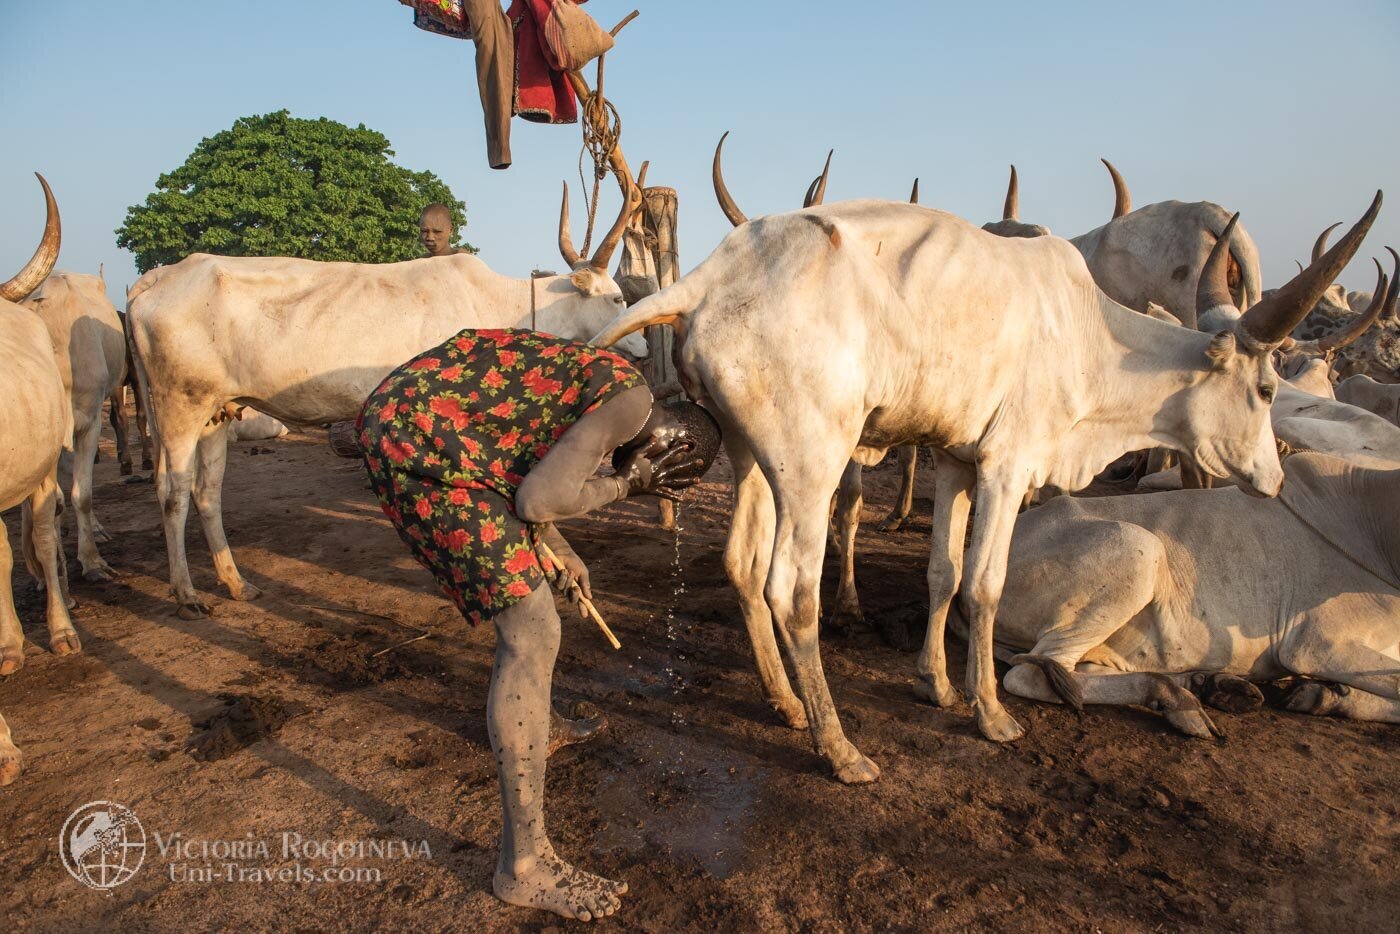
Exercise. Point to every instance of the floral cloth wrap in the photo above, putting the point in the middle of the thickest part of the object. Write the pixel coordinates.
(449, 437)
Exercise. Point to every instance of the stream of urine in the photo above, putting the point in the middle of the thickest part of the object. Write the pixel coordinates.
(677, 574)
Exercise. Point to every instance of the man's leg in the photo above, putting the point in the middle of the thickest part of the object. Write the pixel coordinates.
(495, 74)
(517, 715)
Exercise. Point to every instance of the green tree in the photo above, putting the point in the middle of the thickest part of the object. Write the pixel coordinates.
(277, 185)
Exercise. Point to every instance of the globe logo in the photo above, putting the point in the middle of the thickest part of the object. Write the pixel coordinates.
(102, 845)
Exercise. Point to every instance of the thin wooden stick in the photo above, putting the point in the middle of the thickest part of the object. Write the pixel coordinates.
(584, 602)
(401, 645)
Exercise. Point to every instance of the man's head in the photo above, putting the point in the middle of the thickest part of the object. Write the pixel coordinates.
(682, 434)
(435, 230)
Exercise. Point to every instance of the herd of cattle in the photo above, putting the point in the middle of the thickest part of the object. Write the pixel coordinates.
(820, 339)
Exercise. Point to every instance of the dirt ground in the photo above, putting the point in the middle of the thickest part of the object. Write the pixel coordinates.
(277, 716)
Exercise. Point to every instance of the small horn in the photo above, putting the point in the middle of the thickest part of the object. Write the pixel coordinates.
(1013, 198)
(604, 253)
(1213, 287)
(726, 203)
(1320, 244)
(45, 255)
(566, 242)
(811, 193)
(819, 196)
(1358, 324)
(1270, 321)
(914, 195)
(1299, 265)
(1122, 201)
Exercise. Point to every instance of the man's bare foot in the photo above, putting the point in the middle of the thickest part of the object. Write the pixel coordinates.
(553, 885)
(588, 722)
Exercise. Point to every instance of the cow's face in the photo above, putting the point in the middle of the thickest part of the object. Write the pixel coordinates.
(581, 304)
(1228, 430)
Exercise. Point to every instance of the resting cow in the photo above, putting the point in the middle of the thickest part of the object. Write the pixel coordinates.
(91, 350)
(1382, 399)
(878, 324)
(35, 423)
(1136, 599)
(306, 342)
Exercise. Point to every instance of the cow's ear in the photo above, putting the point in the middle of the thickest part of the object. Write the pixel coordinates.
(1221, 349)
(585, 281)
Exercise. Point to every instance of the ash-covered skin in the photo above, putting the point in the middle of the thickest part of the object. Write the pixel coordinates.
(657, 454)
(435, 230)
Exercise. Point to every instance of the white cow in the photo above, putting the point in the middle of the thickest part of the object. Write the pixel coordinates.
(872, 324)
(35, 423)
(1142, 599)
(251, 425)
(307, 342)
(91, 349)
(1383, 399)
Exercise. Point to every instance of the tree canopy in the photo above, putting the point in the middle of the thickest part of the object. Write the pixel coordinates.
(278, 185)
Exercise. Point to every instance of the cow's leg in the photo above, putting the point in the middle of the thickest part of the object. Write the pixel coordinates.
(208, 499)
(143, 432)
(1162, 693)
(46, 544)
(85, 438)
(794, 599)
(847, 522)
(10, 757)
(11, 634)
(1370, 673)
(174, 479)
(747, 555)
(952, 500)
(908, 461)
(999, 495)
(116, 414)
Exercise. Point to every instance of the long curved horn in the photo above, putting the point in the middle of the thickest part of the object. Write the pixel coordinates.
(603, 254)
(1122, 201)
(816, 195)
(45, 255)
(914, 195)
(1012, 204)
(1320, 244)
(811, 193)
(726, 203)
(1389, 313)
(566, 241)
(1213, 287)
(1358, 325)
(1270, 321)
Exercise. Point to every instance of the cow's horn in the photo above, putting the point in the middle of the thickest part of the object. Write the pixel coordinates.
(816, 192)
(1213, 287)
(726, 203)
(914, 195)
(603, 254)
(566, 242)
(1320, 244)
(1389, 313)
(1270, 321)
(1299, 265)
(1122, 201)
(45, 255)
(1358, 324)
(1013, 197)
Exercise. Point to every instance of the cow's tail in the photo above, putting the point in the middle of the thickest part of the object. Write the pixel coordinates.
(1061, 679)
(671, 306)
(142, 381)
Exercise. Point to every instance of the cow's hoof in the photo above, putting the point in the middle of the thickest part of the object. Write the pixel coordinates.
(11, 660)
(101, 535)
(847, 617)
(146, 464)
(858, 771)
(998, 725)
(891, 523)
(1193, 723)
(101, 571)
(65, 642)
(588, 722)
(939, 695)
(126, 468)
(1226, 692)
(10, 760)
(245, 593)
(193, 611)
(792, 713)
(1315, 697)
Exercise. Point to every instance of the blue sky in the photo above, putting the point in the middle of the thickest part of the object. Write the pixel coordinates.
(1282, 110)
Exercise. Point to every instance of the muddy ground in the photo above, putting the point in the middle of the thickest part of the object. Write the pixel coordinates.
(276, 717)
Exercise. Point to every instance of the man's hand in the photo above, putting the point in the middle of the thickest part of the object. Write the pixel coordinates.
(574, 572)
(660, 470)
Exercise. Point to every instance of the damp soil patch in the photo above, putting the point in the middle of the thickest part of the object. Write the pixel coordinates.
(239, 722)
